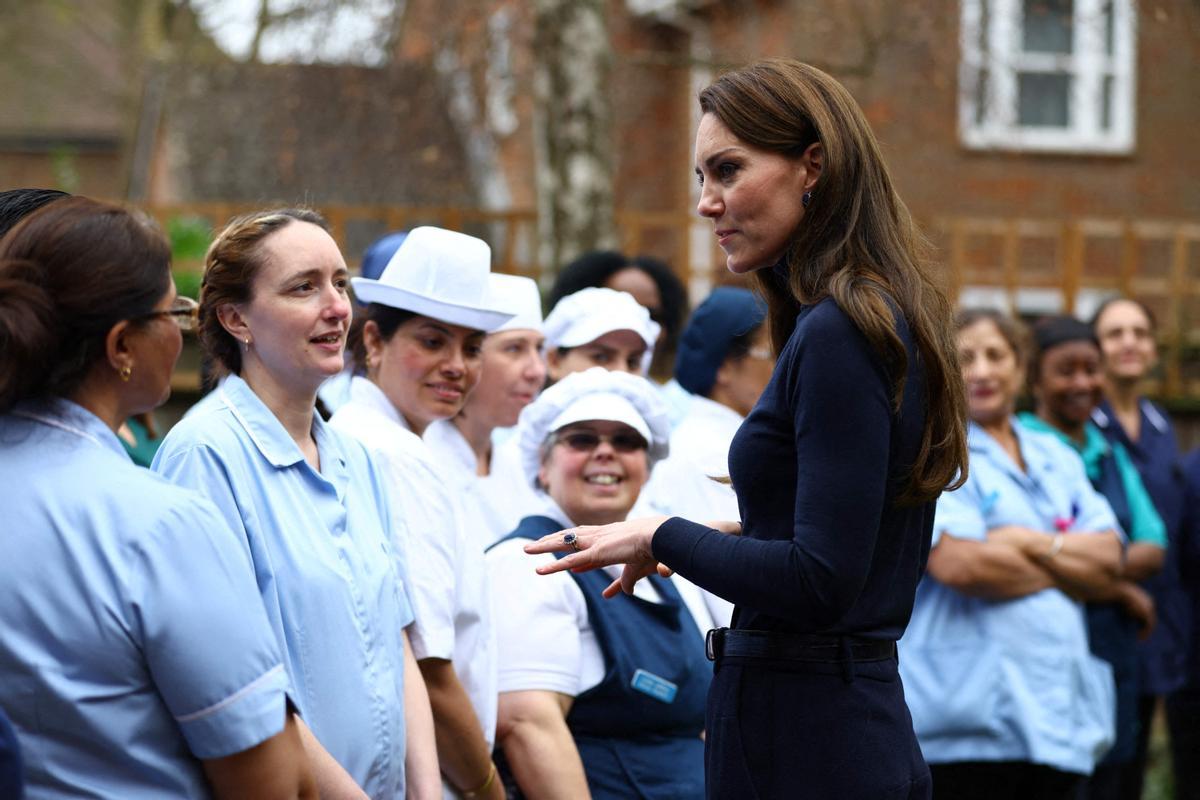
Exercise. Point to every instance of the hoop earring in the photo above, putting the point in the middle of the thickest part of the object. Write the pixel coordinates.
(805, 199)
(125, 372)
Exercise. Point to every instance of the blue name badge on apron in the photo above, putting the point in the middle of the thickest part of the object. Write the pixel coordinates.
(658, 688)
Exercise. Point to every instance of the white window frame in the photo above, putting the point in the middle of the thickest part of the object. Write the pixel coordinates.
(1088, 64)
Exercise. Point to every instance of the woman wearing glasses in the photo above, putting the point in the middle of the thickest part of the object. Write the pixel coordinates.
(308, 503)
(121, 679)
(595, 696)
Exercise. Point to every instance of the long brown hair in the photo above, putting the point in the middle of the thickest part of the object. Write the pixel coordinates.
(857, 244)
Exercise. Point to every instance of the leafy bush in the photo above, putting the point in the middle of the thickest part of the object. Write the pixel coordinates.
(189, 237)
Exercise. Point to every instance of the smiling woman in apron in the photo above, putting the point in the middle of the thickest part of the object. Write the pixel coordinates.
(595, 696)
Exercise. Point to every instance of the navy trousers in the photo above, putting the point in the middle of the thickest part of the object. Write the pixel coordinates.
(780, 730)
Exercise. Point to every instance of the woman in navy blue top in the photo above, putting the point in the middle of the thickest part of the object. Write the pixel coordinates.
(1126, 329)
(836, 468)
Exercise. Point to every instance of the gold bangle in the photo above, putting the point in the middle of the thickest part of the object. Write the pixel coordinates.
(486, 784)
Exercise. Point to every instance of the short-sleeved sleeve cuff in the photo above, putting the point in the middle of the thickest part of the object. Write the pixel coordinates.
(958, 514)
(429, 642)
(1094, 512)
(246, 718)
(544, 680)
(405, 603)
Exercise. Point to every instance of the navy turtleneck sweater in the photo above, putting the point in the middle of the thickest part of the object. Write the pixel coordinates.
(817, 467)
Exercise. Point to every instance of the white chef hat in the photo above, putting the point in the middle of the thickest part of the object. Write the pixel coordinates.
(520, 296)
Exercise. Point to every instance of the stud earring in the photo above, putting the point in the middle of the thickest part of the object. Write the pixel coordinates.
(125, 372)
(805, 199)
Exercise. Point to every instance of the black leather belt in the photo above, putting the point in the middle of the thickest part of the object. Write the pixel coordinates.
(776, 646)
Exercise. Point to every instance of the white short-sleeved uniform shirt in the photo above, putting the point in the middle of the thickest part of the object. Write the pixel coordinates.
(508, 494)
(450, 587)
(481, 519)
(132, 638)
(682, 485)
(546, 641)
(1010, 680)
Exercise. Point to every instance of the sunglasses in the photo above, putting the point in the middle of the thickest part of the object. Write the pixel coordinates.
(586, 441)
(184, 312)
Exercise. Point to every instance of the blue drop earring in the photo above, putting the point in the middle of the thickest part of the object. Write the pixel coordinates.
(806, 198)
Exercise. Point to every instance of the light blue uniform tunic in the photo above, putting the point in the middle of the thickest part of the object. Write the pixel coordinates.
(132, 640)
(1010, 680)
(331, 581)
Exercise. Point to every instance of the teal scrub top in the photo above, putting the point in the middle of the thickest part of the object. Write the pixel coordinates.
(1146, 526)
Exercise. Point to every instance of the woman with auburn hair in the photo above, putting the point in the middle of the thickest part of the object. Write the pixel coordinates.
(310, 504)
(135, 660)
(838, 465)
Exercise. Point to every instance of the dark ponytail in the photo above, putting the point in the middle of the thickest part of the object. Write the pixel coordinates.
(27, 324)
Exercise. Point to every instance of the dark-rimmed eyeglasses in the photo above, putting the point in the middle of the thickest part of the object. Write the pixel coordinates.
(586, 441)
(184, 312)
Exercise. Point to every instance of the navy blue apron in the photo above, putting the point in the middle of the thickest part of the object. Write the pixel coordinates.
(638, 730)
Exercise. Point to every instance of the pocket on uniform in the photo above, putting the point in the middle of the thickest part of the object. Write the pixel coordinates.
(1094, 704)
(953, 692)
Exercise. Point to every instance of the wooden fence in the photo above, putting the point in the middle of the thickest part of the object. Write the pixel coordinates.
(1031, 266)
(1026, 266)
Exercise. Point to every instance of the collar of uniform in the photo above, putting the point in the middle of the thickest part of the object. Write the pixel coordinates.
(1152, 415)
(1041, 461)
(715, 411)
(72, 418)
(1037, 462)
(1102, 415)
(268, 433)
(444, 437)
(364, 391)
(1094, 449)
(552, 510)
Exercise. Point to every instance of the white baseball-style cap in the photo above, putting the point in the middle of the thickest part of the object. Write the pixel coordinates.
(520, 296)
(588, 314)
(594, 394)
(440, 274)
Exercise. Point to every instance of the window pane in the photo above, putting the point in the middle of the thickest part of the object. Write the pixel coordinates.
(1106, 103)
(1046, 26)
(1107, 11)
(1042, 99)
(985, 20)
(981, 97)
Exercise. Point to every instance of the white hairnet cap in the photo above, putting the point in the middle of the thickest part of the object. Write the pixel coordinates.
(595, 394)
(590, 313)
